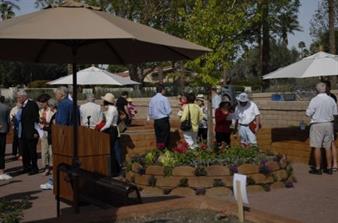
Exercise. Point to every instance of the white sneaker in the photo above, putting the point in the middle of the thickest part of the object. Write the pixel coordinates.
(5, 177)
(46, 186)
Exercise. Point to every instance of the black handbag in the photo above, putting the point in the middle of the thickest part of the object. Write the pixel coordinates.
(186, 124)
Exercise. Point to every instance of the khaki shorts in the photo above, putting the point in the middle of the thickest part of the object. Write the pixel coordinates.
(321, 135)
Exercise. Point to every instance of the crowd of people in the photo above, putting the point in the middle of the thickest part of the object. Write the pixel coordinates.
(245, 117)
(32, 122)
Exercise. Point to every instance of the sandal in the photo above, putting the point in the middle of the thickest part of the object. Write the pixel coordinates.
(334, 169)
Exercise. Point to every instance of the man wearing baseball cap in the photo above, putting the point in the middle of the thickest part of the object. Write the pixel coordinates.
(247, 118)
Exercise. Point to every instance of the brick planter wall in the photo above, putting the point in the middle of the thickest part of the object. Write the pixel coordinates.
(217, 181)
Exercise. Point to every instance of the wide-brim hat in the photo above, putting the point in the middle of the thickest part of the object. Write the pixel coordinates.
(242, 97)
(200, 97)
(109, 97)
(129, 100)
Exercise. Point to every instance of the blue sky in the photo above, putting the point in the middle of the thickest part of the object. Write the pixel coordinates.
(305, 14)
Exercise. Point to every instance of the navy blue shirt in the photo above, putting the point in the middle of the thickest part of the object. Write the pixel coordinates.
(64, 114)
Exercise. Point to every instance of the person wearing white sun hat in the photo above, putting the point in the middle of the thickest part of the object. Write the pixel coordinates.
(247, 116)
(111, 117)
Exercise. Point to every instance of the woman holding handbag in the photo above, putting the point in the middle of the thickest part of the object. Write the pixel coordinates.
(190, 120)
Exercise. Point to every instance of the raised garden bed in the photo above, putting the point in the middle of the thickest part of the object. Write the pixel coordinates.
(183, 171)
(157, 210)
(185, 215)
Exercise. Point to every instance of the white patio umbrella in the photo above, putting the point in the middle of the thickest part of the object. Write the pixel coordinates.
(316, 65)
(94, 76)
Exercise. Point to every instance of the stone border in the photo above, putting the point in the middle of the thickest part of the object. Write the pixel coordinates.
(196, 202)
(216, 180)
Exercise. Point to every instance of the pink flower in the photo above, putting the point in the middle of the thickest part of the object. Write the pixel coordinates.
(160, 146)
(181, 147)
(204, 146)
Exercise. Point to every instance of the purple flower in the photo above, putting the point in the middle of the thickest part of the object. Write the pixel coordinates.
(289, 184)
(234, 168)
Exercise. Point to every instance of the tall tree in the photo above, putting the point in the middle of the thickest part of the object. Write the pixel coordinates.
(218, 25)
(45, 3)
(332, 35)
(332, 26)
(277, 19)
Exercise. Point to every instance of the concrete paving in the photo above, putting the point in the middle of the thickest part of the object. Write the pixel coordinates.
(312, 200)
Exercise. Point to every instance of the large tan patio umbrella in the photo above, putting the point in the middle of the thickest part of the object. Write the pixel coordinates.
(78, 34)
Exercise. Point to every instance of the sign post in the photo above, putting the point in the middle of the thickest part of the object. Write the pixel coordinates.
(240, 193)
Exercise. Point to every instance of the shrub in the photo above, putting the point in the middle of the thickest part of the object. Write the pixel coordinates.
(218, 183)
(200, 171)
(201, 158)
(11, 211)
(183, 182)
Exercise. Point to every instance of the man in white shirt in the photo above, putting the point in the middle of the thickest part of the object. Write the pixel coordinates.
(160, 110)
(247, 117)
(321, 110)
(90, 112)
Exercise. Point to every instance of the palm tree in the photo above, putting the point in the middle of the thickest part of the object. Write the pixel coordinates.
(7, 9)
(287, 24)
(331, 27)
(332, 35)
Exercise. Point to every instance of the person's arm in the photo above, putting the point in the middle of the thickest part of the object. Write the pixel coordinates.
(61, 114)
(82, 116)
(219, 117)
(126, 110)
(184, 113)
(36, 115)
(8, 119)
(110, 116)
(167, 107)
(257, 118)
(235, 117)
(150, 109)
(201, 115)
(310, 110)
(335, 110)
(258, 122)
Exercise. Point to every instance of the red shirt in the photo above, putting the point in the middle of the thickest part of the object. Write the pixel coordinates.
(222, 124)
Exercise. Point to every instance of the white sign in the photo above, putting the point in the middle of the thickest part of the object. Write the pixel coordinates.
(242, 180)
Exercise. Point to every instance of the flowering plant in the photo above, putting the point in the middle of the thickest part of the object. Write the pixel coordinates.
(160, 146)
(264, 168)
(182, 147)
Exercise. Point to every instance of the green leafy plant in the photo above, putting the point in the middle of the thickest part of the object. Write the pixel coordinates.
(152, 181)
(151, 157)
(200, 171)
(11, 210)
(183, 182)
(202, 158)
(168, 171)
(250, 181)
(218, 183)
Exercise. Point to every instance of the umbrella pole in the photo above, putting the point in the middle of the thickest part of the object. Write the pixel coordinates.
(75, 158)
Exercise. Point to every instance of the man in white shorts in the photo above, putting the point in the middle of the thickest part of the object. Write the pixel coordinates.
(321, 110)
(247, 118)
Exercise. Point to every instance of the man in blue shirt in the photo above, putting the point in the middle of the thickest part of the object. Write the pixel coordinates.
(63, 115)
(159, 111)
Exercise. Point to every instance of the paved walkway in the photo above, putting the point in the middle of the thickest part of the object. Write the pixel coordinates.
(314, 198)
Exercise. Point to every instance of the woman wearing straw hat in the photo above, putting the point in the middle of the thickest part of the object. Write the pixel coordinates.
(111, 117)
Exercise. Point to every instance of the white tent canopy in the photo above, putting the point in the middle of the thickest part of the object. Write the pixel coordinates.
(319, 64)
(94, 76)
